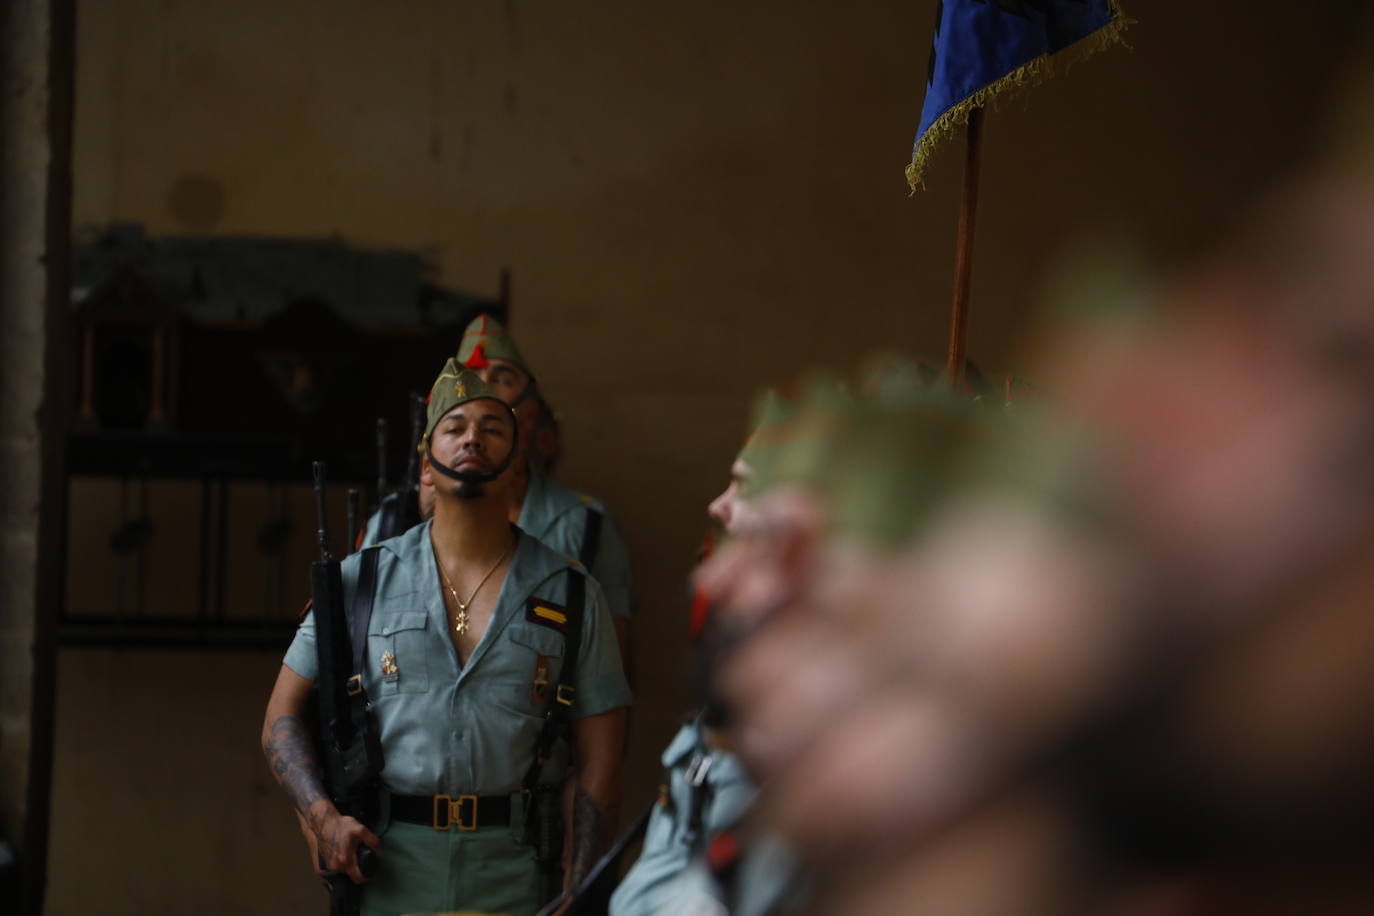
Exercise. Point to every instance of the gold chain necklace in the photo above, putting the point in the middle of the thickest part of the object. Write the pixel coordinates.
(460, 623)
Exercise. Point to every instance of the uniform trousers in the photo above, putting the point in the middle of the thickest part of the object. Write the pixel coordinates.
(423, 870)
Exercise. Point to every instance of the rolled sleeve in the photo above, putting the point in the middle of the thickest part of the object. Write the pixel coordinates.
(601, 684)
(301, 656)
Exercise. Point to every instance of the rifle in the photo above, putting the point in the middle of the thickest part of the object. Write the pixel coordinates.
(382, 486)
(350, 749)
(573, 896)
(401, 511)
(353, 499)
(417, 429)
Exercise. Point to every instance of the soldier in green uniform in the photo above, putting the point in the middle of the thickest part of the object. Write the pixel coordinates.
(466, 647)
(563, 518)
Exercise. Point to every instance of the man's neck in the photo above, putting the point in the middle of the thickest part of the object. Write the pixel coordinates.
(470, 531)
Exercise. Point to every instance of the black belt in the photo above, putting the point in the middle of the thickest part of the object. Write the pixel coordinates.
(455, 812)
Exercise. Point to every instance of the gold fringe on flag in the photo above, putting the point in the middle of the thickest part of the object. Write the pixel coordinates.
(1031, 73)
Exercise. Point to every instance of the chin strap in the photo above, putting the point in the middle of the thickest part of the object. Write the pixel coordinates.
(486, 477)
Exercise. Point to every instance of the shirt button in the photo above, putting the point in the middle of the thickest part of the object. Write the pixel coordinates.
(386, 631)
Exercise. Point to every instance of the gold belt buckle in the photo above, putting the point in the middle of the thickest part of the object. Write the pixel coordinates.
(453, 812)
(456, 814)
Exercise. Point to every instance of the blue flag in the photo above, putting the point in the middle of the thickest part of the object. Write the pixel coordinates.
(985, 48)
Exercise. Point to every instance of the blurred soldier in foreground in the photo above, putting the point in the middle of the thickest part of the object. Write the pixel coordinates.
(705, 791)
(484, 651)
(1122, 667)
(829, 488)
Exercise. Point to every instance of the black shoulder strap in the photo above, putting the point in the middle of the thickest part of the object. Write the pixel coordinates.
(591, 537)
(362, 758)
(556, 716)
(572, 640)
(363, 597)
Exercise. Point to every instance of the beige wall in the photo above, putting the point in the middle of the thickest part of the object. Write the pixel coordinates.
(694, 199)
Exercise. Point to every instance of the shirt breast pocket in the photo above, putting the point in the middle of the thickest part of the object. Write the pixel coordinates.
(537, 659)
(399, 651)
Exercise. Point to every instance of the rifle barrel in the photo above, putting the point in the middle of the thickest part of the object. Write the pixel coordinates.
(352, 533)
(381, 459)
(321, 523)
(417, 429)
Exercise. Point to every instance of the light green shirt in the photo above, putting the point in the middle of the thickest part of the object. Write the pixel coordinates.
(448, 728)
(663, 877)
(557, 515)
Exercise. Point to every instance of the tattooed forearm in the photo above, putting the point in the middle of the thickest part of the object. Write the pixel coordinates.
(591, 826)
(291, 755)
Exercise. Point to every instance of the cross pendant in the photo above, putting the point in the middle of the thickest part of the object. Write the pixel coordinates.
(461, 624)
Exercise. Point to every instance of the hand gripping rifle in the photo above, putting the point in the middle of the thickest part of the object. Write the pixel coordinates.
(401, 511)
(350, 750)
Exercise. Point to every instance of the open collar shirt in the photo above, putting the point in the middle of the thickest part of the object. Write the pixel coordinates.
(448, 728)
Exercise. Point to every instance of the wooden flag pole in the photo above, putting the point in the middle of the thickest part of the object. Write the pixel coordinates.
(963, 252)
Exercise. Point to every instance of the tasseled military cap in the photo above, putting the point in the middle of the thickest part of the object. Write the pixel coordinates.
(486, 339)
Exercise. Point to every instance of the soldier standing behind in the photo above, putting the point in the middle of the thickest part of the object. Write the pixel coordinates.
(563, 518)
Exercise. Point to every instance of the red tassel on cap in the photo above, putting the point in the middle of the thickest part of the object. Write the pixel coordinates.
(478, 359)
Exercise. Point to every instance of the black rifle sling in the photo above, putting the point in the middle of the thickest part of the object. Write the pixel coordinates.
(331, 653)
(556, 716)
(591, 537)
(363, 598)
(362, 758)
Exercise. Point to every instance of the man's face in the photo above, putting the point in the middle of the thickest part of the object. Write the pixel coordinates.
(730, 508)
(474, 439)
(768, 559)
(511, 383)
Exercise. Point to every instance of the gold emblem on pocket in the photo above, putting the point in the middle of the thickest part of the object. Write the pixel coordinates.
(389, 670)
(539, 687)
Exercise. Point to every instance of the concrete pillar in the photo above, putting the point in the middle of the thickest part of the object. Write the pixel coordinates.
(36, 70)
